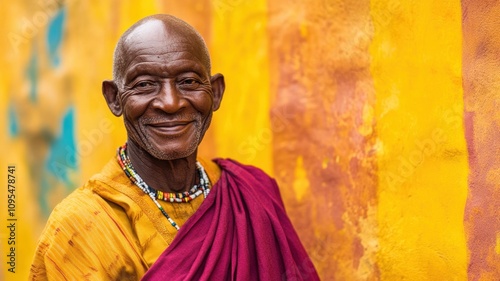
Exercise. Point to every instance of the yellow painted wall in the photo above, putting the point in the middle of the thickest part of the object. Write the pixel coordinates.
(422, 157)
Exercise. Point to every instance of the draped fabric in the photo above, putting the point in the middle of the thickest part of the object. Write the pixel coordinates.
(108, 229)
(240, 232)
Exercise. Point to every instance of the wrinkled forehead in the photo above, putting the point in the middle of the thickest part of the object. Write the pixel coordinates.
(155, 37)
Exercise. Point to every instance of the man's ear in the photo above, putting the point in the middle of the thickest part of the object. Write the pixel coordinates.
(218, 87)
(110, 93)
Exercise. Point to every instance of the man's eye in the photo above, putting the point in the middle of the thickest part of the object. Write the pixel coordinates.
(189, 82)
(143, 84)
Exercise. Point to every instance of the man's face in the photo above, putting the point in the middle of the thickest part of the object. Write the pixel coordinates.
(166, 93)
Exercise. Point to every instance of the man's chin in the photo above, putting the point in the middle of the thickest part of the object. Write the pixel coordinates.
(171, 148)
(170, 153)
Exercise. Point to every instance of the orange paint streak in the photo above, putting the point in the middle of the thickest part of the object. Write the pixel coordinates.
(481, 72)
(323, 96)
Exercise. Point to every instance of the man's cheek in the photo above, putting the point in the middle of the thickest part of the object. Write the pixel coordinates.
(133, 130)
(205, 123)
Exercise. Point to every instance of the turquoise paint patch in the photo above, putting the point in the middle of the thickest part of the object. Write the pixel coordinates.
(13, 122)
(54, 36)
(43, 196)
(32, 73)
(62, 157)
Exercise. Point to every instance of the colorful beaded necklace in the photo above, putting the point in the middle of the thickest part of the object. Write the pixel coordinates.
(195, 191)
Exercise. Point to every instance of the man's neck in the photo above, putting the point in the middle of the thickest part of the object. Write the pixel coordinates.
(177, 175)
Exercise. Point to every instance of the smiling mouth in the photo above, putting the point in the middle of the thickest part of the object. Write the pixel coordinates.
(171, 128)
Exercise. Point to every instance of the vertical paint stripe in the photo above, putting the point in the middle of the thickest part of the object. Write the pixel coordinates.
(55, 37)
(241, 126)
(422, 159)
(13, 121)
(323, 139)
(62, 160)
(481, 82)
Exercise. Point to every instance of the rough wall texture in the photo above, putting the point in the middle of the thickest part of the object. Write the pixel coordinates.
(323, 95)
(421, 151)
(481, 70)
(386, 158)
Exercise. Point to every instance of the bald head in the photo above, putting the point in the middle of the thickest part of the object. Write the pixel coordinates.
(151, 29)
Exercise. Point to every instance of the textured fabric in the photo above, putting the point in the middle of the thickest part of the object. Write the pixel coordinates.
(241, 232)
(108, 230)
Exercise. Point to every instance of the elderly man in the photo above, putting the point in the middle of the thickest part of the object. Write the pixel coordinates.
(156, 211)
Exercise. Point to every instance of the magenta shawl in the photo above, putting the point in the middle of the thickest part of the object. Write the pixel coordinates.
(240, 232)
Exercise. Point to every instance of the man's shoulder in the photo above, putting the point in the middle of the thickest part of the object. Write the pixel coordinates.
(68, 218)
(239, 169)
(250, 176)
(79, 203)
(83, 233)
(84, 201)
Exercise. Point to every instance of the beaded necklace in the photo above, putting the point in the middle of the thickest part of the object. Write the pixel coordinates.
(195, 191)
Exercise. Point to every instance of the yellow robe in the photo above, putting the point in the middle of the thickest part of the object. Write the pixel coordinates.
(108, 229)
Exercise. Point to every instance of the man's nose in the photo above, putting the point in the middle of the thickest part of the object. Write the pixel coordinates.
(169, 98)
